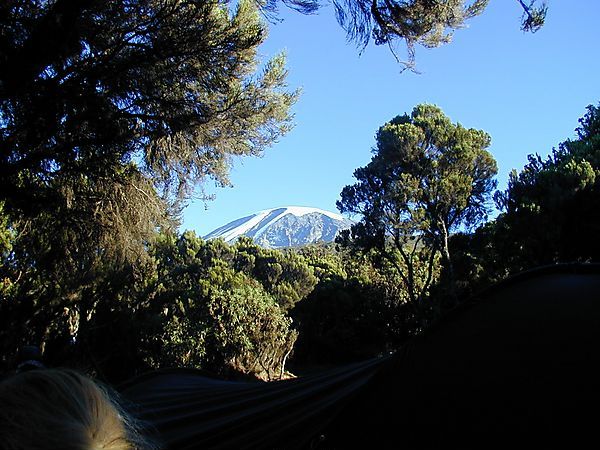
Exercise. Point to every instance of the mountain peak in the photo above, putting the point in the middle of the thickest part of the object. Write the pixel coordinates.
(287, 226)
(300, 211)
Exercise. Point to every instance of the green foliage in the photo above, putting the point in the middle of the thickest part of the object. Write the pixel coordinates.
(104, 105)
(550, 215)
(416, 21)
(233, 324)
(111, 113)
(411, 22)
(356, 311)
(283, 274)
(533, 17)
(214, 311)
(551, 206)
(425, 22)
(190, 303)
(426, 179)
(6, 235)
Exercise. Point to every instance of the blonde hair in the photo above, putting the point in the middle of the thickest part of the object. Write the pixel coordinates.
(60, 408)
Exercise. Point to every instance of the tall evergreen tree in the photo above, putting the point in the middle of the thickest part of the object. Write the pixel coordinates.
(427, 178)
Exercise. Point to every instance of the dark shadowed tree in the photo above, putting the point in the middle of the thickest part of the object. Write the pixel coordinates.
(551, 206)
(550, 214)
(429, 23)
(356, 311)
(105, 104)
(427, 178)
(111, 113)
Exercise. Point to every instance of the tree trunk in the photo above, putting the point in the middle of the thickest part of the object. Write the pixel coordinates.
(447, 264)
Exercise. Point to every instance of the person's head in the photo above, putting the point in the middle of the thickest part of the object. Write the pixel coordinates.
(61, 409)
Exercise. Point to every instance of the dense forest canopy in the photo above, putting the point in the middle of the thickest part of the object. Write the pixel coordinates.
(240, 308)
(113, 113)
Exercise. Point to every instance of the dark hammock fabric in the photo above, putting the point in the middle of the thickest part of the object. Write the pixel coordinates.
(516, 367)
(189, 410)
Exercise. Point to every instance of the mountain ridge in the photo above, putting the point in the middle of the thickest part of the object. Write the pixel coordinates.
(285, 226)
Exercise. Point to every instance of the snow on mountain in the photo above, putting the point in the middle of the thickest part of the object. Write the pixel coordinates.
(289, 226)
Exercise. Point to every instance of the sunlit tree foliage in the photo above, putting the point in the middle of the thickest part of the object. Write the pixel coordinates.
(427, 178)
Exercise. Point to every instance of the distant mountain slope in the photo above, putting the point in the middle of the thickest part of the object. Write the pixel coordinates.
(289, 226)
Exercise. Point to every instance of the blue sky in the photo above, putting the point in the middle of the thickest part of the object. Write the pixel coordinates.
(526, 90)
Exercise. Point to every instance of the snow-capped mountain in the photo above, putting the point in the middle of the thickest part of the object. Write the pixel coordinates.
(289, 226)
